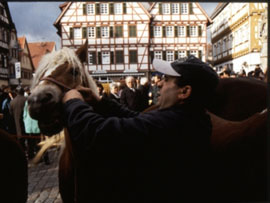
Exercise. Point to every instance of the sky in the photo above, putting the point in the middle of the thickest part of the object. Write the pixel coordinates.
(35, 20)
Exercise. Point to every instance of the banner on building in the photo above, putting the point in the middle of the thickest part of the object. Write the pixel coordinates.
(18, 70)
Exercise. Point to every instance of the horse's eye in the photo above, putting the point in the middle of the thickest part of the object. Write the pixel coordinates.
(75, 71)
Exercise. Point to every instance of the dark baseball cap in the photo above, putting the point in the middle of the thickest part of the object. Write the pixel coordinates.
(191, 69)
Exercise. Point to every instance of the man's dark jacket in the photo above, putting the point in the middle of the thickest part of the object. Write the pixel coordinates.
(130, 99)
(162, 155)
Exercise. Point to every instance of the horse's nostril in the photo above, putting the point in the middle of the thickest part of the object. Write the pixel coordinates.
(46, 98)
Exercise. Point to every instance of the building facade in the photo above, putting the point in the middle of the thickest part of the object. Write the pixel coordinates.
(8, 46)
(124, 37)
(27, 67)
(235, 35)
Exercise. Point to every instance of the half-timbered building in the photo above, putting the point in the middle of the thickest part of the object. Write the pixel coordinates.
(8, 46)
(235, 35)
(123, 37)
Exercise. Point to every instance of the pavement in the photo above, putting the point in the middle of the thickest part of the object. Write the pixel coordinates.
(43, 180)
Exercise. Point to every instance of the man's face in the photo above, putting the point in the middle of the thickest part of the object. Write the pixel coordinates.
(169, 93)
(130, 82)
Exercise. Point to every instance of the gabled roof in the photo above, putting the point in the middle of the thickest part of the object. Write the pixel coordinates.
(65, 6)
(197, 4)
(23, 42)
(38, 49)
(218, 9)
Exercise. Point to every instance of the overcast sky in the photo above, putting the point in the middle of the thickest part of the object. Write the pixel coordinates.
(35, 20)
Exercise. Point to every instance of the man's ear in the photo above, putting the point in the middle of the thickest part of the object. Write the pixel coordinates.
(184, 92)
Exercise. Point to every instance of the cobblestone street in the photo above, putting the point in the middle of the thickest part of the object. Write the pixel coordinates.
(43, 181)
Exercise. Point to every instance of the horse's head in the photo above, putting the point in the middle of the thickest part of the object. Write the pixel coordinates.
(58, 72)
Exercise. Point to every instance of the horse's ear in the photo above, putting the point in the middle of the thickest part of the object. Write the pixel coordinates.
(82, 52)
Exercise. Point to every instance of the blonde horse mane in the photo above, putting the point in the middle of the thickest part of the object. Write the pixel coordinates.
(54, 59)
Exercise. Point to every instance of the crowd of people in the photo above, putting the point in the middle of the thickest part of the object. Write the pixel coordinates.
(15, 119)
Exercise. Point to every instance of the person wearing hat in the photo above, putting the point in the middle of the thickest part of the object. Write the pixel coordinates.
(160, 155)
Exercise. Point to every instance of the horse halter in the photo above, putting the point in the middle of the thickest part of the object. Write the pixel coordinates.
(48, 78)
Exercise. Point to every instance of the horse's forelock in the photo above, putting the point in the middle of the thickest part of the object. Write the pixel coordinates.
(54, 59)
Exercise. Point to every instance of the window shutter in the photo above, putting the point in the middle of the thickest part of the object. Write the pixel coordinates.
(120, 31)
(99, 58)
(112, 57)
(111, 11)
(111, 31)
(98, 34)
(71, 33)
(151, 31)
(175, 55)
(200, 30)
(180, 11)
(175, 31)
(84, 32)
(97, 9)
(200, 54)
(164, 55)
(187, 31)
(160, 8)
(124, 8)
(164, 31)
(94, 57)
(151, 56)
(190, 8)
(188, 53)
(84, 9)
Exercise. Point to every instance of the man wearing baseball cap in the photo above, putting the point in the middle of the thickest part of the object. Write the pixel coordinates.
(160, 155)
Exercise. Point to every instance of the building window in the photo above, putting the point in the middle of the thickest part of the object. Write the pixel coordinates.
(181, 31)
(119, 57)
(193, 52)
(169, 56)
(193, 31)
(132, 30)
(118, 9)
(133, 56)
(92, 58)
(158, 55)
(106, 57)
(90, 9)
(157, 31)
(181, 54)
(169, 31)
(175, 8)
(118, 31)
(105, 32)
(91, 32)
(166, 8)
(184, 8)
(104, 9)
(77, 33)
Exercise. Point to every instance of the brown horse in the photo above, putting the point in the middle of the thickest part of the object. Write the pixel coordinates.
(14, 174)
(60, 72)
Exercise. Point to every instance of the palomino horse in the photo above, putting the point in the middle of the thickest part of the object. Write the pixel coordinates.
(58, 72)
(62, 71)
(14, 174)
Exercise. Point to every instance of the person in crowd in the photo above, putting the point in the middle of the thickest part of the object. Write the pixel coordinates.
(32, 130)
(101, 91)
(144, 89)
(258, 73)
(8, 123)
(160, 155)
(154, 89)
(130, 96)
(226, 72)
(114, 89)
(16, 110)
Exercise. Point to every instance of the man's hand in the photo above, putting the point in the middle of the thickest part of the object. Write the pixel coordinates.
(72, 94)
(89, 96)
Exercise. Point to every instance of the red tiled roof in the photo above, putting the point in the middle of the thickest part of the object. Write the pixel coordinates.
(22, 41)
(38, 49)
